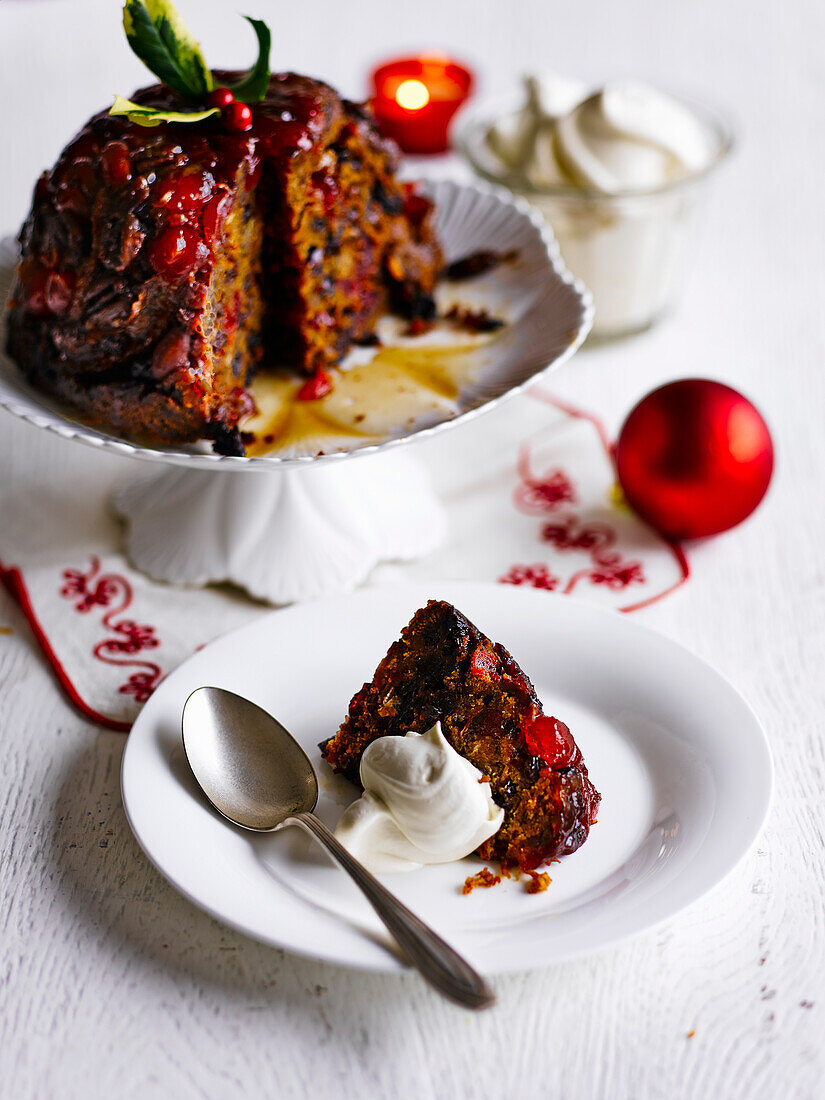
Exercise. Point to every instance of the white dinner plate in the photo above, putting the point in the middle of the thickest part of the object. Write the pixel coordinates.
(680, 759)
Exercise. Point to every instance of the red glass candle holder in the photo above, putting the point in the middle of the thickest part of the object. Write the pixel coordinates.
(415, 98)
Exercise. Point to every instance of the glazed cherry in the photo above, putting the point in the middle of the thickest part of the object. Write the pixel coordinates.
(551, 740)
(34, 291)
(316, 387)
(174, 250)
(327, 189)
(220, 97)
(237, 116)
(84, 174)
(60, 290)
(117, 163)
(47, 291)
(416, 207)
(483, 663)
(74, 185)
(214, 213)
(41, 188)
(73, 200)
(84, 146)
(171, 354)
(184, 192)
(281, 137)
(243, 402)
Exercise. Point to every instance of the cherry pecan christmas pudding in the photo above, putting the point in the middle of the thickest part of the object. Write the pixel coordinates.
(214, 222)
(444, 672)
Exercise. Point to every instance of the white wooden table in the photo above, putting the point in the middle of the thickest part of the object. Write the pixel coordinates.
(113, 985)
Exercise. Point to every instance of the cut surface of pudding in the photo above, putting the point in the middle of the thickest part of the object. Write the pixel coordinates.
(160, 268)
(443, 668)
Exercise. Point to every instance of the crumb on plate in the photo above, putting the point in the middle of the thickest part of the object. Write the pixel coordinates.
(539, 881)
(484, 878)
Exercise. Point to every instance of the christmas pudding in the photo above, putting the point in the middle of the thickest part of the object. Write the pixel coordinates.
(443, 669)
(213, 225)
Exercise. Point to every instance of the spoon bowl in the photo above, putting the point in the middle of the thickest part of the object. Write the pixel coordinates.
(248, 765)
(254, 772)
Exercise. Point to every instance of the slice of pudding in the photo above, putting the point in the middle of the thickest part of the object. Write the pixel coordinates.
(443, 668)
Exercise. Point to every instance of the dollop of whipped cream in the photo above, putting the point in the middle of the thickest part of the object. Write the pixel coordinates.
(422, 803)
(626, 136)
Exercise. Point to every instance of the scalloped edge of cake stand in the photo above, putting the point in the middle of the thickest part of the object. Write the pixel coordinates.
(320, 524)
(285, 536)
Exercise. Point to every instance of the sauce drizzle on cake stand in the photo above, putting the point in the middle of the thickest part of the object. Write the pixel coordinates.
(321, 521)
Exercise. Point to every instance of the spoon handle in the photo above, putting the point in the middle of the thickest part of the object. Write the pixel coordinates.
(439, 963)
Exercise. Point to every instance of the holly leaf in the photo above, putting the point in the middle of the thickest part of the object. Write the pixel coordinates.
(253, 87)
(162, 41)
(154, 116)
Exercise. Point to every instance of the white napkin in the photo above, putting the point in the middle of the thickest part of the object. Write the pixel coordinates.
(540, 512)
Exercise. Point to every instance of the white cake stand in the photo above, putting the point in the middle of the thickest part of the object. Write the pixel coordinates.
(300, 528)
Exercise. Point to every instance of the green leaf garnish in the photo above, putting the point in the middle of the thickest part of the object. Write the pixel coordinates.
(153, 116)
(253, 87)
(161, 40)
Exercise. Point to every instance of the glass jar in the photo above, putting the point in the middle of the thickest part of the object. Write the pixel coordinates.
(629, 248)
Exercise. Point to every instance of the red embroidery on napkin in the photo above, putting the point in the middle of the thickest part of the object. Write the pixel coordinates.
(555, 491)
(542, 494)
(609, 567)
(569, 534)
(550, 492)
(90, 590)
(12, 580)
(536, 576)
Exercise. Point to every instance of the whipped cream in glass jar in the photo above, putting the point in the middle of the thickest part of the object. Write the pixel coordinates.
(618, 175)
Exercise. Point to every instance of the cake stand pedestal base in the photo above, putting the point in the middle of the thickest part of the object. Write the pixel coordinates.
(289, 534)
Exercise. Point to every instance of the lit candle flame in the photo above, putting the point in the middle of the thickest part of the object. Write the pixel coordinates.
(412, 95)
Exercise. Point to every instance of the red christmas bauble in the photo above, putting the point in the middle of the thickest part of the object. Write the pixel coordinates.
(694, 458)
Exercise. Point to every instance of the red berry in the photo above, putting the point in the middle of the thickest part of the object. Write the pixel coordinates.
(317, 386)
(220, 97)
(174, 250)
(550, 739)
(237, 116)
(117, 164)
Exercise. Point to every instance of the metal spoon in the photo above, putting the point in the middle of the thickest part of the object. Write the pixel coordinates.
(256, 775)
